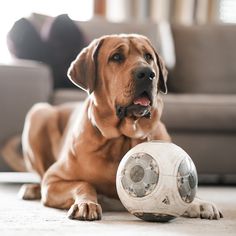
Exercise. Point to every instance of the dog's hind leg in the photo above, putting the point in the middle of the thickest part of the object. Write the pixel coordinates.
(38, 150)
(30, 192)
(41, 127)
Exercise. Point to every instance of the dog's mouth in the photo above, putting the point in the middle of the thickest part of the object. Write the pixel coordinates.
(143, 100)
(139, 107)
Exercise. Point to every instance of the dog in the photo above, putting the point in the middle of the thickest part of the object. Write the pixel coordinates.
(76, 151)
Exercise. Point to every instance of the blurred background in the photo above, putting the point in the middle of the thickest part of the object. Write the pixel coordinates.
(175, 11)
(196, 38)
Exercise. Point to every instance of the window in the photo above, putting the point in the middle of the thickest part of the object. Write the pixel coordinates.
(227, 11)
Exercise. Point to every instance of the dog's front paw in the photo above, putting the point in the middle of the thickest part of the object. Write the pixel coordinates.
(85, 211)
(204, 210)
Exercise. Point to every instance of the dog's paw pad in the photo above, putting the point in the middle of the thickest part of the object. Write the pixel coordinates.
(85, 211)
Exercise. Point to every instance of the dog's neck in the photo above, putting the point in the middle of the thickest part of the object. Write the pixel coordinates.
(139, 128)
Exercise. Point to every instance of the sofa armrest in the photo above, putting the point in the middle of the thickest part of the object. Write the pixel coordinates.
(22, 83)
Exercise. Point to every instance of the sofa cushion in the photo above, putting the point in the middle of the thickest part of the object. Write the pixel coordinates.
(200, 112)
(205, 59)
(22, 84)
(98, 27)
(68, 95)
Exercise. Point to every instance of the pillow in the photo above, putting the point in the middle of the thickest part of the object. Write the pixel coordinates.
(25, 42)
(58, 48)
(66, 40)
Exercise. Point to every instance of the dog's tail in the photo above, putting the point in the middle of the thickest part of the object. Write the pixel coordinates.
(12, 154)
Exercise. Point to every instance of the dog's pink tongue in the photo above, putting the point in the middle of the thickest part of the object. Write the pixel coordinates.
(143, 101)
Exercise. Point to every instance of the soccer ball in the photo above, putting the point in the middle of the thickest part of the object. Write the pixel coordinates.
(156, 181)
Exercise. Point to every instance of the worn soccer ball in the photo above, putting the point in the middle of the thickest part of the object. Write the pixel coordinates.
(156, 181)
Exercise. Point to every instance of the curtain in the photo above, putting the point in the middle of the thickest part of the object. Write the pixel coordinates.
(185, 11)
(175, 11)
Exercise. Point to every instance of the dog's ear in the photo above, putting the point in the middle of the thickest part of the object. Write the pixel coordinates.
(83, 70)
(162, 74)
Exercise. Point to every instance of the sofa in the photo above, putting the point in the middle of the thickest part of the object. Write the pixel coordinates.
(200, 108)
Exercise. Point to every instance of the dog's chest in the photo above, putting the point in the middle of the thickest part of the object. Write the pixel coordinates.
(101, 171)
(115, 149)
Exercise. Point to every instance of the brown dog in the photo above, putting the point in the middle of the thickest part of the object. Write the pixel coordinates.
(77, 152)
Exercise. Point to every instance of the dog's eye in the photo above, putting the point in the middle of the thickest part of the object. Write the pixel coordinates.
(148, 57)
(117, 57)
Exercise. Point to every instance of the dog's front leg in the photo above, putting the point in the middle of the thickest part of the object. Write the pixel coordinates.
(77, 196)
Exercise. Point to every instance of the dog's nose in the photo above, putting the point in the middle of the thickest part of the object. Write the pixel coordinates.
(144, 73)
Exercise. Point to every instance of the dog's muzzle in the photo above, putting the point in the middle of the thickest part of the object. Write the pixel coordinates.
(142, 102)
(133, 110)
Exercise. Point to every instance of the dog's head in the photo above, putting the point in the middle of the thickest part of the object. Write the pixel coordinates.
(123, 69)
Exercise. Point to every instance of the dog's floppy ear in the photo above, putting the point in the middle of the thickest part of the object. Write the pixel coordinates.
(162, 74)
(83, 70)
